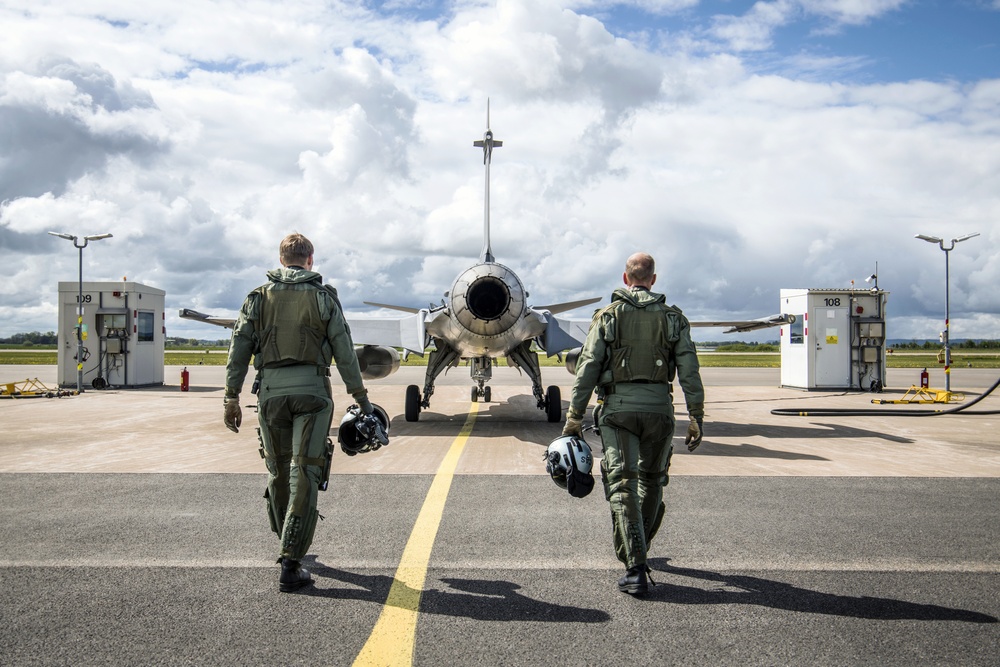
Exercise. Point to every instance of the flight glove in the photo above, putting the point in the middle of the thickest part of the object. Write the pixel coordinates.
(574, 427)
(365, 405)
(693, 438)
(233, 413)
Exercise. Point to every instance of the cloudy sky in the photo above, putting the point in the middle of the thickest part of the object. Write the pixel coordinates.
(749, 146)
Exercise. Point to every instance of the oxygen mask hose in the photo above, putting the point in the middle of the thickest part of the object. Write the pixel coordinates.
(871, 412)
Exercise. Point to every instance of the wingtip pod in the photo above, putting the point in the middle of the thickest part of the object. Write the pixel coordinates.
(763, 323)
(189, 314)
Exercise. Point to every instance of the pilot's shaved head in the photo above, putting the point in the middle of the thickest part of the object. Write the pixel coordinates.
(640, 270)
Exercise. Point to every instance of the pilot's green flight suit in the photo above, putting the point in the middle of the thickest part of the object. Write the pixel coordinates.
(633, 350)
(292, 327)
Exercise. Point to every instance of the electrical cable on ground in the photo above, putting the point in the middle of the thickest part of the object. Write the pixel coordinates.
(869, 412)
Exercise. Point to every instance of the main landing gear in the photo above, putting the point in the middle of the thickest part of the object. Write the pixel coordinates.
(444, 357)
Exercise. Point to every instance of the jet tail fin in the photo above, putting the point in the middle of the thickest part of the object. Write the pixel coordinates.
(488, 143)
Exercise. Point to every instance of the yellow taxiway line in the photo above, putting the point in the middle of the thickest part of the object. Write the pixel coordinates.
(391, 640)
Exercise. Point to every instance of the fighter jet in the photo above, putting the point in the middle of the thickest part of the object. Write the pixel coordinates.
(483, 317)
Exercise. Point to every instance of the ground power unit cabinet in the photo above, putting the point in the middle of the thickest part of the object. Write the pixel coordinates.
(123, 332)
(837, 340)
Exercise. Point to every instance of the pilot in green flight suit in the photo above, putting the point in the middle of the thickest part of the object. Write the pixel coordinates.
(634, 348)
(292, 327)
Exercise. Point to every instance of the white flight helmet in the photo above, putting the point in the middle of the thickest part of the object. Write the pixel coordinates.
(360, 433)
(568, 460)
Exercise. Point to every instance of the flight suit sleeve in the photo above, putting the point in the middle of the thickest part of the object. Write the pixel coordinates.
(241, 346)
(339, 335)
(588, 370)
(689, 371)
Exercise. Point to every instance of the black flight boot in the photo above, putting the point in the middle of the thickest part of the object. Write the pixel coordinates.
(293, 576)
(634, 581)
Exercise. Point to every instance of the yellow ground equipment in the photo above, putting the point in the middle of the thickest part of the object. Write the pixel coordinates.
(917, 394)
(31, 389)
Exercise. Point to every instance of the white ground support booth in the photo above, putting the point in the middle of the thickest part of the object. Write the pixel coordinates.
(124, 327)
(837, 340)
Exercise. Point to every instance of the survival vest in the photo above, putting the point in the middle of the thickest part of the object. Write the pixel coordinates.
(640, 335)
(290, 328)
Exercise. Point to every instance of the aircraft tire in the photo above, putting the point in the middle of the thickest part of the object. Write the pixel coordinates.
(412, 407)
(487, 395)
(553, 404)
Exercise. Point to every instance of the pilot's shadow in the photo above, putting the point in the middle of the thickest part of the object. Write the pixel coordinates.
(742, 589)
(469, 598)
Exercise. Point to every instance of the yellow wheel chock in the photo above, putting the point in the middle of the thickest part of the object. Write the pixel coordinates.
(917, 394)
(30, 389)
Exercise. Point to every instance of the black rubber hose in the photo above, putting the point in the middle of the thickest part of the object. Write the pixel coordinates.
(869, 412)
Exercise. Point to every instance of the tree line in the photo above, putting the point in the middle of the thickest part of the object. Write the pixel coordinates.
(966, 344)
(31, 339)
(34, 338)
(50, 338)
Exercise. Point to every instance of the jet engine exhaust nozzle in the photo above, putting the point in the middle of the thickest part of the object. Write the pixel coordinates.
(488, 299)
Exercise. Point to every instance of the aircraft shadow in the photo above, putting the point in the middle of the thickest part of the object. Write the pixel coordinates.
(814, 431)
(470, 598)
(742, 589)
(746, 451)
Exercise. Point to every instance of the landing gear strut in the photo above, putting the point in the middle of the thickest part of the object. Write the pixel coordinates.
(551, 402)
(440, 359)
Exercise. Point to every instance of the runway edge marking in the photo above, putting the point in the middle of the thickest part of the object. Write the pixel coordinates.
(392, 638)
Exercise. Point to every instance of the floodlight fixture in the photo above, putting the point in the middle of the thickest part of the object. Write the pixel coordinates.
(946, 334)
(79, 300)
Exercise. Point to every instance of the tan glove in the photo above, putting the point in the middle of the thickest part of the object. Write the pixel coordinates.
(574, 427)
(233, 413)
(693, 438)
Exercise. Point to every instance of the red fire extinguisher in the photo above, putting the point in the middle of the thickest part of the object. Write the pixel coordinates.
(924, 379)
(185, 379)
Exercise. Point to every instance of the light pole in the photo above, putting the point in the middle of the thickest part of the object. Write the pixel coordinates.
(79, 302)
(947, 304)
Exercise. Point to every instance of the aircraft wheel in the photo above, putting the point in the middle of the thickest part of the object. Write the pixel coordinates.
(553, 404)
(487, 395)
(412, 403)
(475, 394)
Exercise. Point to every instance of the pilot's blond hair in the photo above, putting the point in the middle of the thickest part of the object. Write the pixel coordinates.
(295, 250)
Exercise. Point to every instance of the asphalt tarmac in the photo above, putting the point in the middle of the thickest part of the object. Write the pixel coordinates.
(134, 533)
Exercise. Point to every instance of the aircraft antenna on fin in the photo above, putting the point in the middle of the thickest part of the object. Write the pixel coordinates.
(488, 143)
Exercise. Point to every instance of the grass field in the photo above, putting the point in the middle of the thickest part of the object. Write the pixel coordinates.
(960, 359)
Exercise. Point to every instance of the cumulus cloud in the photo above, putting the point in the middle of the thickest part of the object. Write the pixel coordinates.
(65, 119)
(754, 30)
(199, 135)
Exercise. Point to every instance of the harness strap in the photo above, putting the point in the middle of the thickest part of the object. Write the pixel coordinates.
(302, 461)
